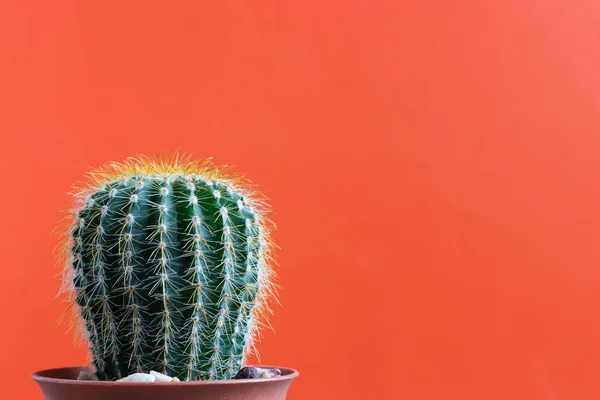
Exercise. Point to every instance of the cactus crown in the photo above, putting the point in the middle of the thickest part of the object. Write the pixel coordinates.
(168, 266)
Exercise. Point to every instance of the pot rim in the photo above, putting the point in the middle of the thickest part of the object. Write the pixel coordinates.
(42, 376)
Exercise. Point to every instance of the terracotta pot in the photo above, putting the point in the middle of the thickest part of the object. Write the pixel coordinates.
(62, 384)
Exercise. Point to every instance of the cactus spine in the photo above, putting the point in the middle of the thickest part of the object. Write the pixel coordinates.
(169, 269)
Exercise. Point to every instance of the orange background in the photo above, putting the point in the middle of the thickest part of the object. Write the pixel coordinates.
(433, 167)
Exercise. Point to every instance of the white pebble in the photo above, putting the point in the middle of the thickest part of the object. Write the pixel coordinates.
(161, 377)
(265, 374)
(87, 376)
(138, 377)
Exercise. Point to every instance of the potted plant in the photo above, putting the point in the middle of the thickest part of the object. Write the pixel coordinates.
(169, 267)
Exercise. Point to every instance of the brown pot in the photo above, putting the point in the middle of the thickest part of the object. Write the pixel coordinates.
(62, 384)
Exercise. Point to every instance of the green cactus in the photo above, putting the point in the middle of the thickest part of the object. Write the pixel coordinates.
(170, 269)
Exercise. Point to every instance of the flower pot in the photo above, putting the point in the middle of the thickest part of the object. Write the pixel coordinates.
(62, 384)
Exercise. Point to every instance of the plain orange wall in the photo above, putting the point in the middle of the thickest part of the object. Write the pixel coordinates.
(433, 167)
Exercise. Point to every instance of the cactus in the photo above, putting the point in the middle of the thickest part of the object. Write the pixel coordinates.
(169, 266)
